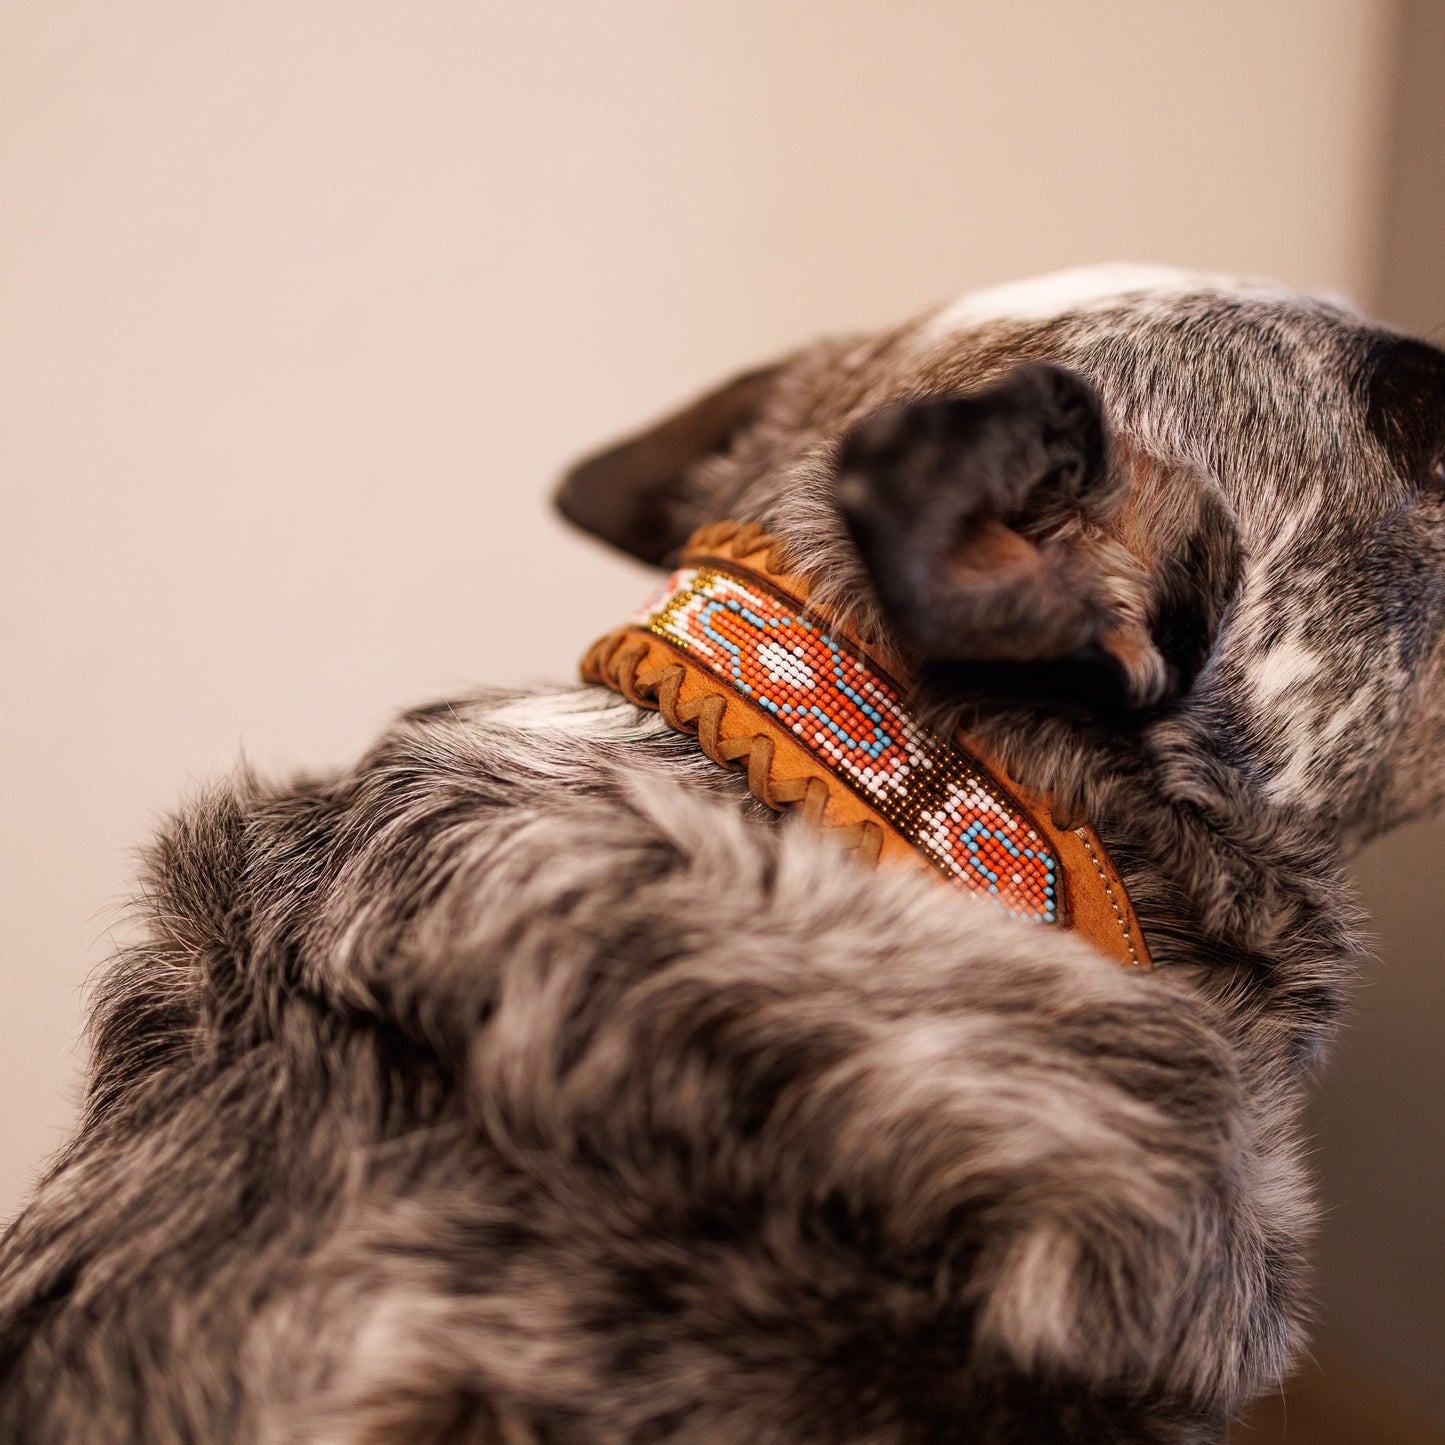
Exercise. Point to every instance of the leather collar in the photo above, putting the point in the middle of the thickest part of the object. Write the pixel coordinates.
(729, 650)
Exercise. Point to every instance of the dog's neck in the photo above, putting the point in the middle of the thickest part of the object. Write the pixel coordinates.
(730, 650)
(1251, 899)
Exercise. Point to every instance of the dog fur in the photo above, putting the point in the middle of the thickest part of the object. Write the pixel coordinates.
(529, 1082)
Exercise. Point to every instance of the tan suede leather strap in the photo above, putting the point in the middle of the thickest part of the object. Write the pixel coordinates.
(730, 651)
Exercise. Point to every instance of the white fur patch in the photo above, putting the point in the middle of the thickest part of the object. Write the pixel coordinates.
(1083, 288)
(1284, 665)
(585, 711)
(1292, 783)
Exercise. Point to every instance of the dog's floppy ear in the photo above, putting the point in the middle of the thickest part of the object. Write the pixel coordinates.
(1000, 533)
(630, 494)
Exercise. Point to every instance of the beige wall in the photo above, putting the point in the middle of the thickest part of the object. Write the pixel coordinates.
(303, 304)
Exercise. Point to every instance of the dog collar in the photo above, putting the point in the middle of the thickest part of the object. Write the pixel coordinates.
(729, 650)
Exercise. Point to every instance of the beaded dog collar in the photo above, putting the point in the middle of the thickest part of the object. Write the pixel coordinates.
(729, 650)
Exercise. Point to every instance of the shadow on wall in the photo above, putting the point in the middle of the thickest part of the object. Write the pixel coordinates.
(1379, 1117)
(1327, 1404)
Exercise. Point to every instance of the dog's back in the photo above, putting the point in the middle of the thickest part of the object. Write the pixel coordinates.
(504, 1085)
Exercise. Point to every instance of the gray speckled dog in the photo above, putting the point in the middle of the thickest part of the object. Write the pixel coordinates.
(529, 1082)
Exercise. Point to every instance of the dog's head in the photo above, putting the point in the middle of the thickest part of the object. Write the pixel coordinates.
(1144, 496)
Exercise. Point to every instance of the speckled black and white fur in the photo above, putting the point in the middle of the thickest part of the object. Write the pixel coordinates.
(526, 1082)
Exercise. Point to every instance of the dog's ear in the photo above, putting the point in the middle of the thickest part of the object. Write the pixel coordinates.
(1178, 525)
(1021, 556)
(631, 494)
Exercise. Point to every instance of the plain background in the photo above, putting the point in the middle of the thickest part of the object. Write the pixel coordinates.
(303, 305)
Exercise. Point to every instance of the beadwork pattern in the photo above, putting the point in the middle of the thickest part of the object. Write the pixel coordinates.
(848, 713)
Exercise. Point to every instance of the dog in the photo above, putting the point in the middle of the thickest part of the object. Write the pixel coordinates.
(533, 1081)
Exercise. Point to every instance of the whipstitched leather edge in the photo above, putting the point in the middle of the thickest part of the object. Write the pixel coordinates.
(618, 661)
(629, 661)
